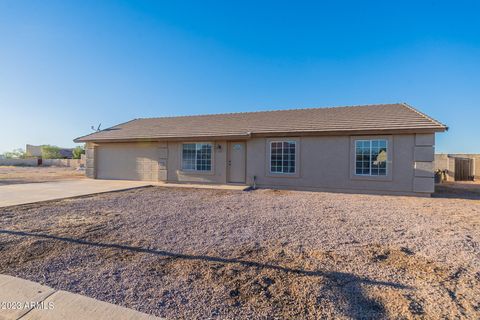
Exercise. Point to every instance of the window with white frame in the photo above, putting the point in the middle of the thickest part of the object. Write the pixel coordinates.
(282, 156)
(371, 157)
(197, 156)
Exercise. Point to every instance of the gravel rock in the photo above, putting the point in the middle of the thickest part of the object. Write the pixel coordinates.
(184, 253)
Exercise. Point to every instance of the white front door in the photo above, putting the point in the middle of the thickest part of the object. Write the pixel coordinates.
(236, 162)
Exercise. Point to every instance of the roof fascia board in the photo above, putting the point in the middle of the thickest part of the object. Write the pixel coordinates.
(270, 134)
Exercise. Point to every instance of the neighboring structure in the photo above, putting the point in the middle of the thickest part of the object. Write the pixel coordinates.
(66, 153)
(459, 166)
(376, 149)
(36, 152)
(33, 151)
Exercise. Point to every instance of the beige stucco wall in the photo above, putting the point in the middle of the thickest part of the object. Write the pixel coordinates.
(218, 174)
(326, 163)
(129, 161)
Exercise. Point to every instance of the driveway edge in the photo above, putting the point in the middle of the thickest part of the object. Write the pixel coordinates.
(35, 301)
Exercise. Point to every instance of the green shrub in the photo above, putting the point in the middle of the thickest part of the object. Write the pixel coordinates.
(15, 154)
(51, 152)
(78, 151)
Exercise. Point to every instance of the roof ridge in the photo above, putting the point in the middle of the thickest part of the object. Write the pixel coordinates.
(276, 110)
(424, 115)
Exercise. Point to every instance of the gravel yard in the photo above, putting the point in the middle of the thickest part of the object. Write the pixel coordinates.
(15, 175)
(184, 253)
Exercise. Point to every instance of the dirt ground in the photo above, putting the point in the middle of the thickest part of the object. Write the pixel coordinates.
(15, 174)
(183, 253)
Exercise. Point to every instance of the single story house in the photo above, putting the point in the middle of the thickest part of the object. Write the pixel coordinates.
(386, 149)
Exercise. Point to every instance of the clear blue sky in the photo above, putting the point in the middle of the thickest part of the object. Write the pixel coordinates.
(67, 65)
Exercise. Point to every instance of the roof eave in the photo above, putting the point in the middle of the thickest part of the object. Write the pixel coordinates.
(266, 134)
(178, 138)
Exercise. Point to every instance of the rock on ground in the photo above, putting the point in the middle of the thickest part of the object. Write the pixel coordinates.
(185, 253)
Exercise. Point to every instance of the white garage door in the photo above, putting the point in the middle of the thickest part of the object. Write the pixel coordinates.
(127, 161)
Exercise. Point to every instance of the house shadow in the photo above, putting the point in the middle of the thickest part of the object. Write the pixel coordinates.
(457, 190)
(6, 182)
(340, 284)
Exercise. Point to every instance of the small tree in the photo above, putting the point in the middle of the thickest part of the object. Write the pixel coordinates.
(78, 151)
(15, 154)
(51, 152)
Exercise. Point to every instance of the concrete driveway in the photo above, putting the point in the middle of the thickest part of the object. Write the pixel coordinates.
(16, 194)
(25, 299)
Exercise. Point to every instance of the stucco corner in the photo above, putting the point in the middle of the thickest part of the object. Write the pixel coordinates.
(424, 154)
(423, 185)
(425, 139)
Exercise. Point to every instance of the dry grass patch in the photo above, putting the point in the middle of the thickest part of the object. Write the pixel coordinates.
(18, 175)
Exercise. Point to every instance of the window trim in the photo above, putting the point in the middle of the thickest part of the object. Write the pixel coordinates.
(390, 157)
(268, 158)
(370, 166)
(195, 171)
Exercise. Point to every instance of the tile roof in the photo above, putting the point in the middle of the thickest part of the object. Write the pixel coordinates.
(383, 118)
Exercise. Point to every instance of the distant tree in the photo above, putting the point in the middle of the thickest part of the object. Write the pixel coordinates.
(78, 151)
(51, 152)
(15, 154)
